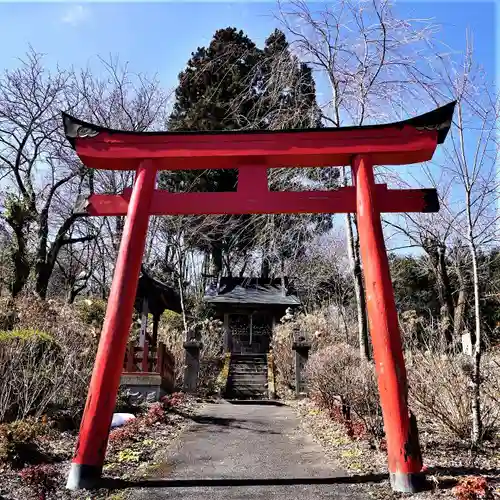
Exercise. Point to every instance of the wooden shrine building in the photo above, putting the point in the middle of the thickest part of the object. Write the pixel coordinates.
(249, 308)
(154, 297)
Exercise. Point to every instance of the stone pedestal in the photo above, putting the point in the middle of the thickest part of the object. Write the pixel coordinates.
(192, 364)
(142, 387)
(301, 348)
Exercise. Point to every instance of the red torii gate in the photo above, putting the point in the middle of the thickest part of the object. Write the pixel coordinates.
(252, 153)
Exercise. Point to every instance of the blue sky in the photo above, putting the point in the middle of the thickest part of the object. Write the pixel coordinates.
(159, 37)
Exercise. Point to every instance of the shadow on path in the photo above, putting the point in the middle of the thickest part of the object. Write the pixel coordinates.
(224, 422)
(196, 483)
(451, 475)
(464, 471)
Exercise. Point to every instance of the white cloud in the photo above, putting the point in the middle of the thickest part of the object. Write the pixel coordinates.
(75, 14)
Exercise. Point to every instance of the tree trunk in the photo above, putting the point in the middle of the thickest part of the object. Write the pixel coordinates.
(216, 260)
(244, 267)
(447, 295)
(117, 236)
(265, 267)
(359, 289)
(437, 254)
(460, 308)
(43, 273)
(44, 269)
(18, 216)
(477, 427)
(21, 264)
(181, 293)
(282, 275)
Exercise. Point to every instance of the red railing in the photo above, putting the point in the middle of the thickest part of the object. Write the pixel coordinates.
(149, 359)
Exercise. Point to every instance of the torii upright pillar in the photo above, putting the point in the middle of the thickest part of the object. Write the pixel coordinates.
(253, 153)
(92, 441)
(403, 450)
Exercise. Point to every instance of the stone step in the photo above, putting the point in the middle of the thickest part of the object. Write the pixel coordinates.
(248, 387)
(248, 395)
(239, 375)
(247, 374)
(248, 362)
(249, 357)
(247, 381)
(246, 368)
(240, 368)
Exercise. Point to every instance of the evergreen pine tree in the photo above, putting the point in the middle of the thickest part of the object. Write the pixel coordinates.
(233, 85)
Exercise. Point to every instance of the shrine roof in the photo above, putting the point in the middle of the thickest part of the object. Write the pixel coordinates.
(408, 141)
(251, 291)
(160, 296)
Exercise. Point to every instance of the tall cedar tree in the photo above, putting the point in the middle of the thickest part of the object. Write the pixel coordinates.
(233, 85)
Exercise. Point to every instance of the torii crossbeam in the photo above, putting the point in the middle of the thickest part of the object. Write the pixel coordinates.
(252, 153)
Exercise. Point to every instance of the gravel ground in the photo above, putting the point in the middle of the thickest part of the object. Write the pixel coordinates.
(275, 451)
(447, 462)
(124, 461)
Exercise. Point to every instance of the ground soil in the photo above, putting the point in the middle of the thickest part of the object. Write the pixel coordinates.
(218, 440)
(124, 461)
(447, 462)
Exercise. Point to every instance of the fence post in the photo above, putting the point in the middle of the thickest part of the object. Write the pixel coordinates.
(130, 358)
(145, 357)
(160, 355)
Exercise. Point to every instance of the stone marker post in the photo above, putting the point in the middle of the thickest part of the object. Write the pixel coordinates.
(301, 347)
(192, 347)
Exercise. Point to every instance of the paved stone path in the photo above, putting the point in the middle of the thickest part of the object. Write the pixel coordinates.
(249, 441)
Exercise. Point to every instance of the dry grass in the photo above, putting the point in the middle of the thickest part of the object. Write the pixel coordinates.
(440, 394)
(338, 375)
(320, 328)
(46, 361)
(171, 333)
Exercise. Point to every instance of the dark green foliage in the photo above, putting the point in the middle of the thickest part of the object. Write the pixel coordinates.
(489, 267)
(231, 85)
(92, 312)
(414, 285)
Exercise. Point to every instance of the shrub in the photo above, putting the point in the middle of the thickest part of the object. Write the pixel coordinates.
(129, 456)
(155, 414)
(18, 445)
(320, 328)
(174, 340)
(440, 393)
(337, 376)
(133, 430)
(8, 313)
(173, 400)
(472, 488)
(127, 433)
(171, 320)
(281, 345)
(41, 478)
(92, 312)
(45, 362)
(28, 365)
(26, 334)
(171, 333)
(209, 371)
